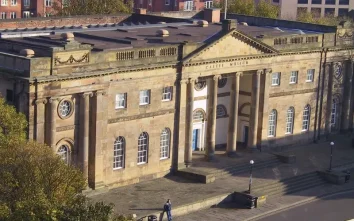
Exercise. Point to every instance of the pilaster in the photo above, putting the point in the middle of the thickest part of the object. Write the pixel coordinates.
(40, 119)
(345, 111)
(189, 122)
(329, 101)
(351, 95)
(265, 108)
(53, 101)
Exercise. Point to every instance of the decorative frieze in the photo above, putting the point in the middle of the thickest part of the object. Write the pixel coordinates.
(71, 60)
(293, 92)
(65, 128)
(140, 116)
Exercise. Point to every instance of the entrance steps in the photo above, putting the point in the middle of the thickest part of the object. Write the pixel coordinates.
(209, 175)
(289, 185)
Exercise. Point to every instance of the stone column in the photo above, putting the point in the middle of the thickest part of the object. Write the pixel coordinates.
(52, 122)
(233, 116)
(253, 129)
(211, 116)
(329, 100)
(189, 122)
(40, 119)
(351, 95)
(84, 131)
(347, 81)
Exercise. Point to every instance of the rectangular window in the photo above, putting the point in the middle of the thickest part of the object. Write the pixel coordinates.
(276, 79)
(4, 2)
(293, 77)
(13, 15)
(343, 2)
(167, 2)
(330, 2)
(9, 96)
(318, 2)
(316, 12)
(342, 12)
(121, 101)
(13, 2)
(26, 14)
(329, 11)
(302, 1)
(188, 6)
(167, 93)
(3, 15)
(208, 4)
(26, 3)
(310, 74)
(48, 3)
(144, 97)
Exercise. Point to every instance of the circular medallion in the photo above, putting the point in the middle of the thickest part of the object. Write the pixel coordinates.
(200, 85)
(65, 109)
(222, 82)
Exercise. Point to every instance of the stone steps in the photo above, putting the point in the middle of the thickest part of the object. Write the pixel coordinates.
(198, 175)
(289, 185)
(245, 167)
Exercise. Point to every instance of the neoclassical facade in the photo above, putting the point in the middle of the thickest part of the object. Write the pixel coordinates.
(127, 104)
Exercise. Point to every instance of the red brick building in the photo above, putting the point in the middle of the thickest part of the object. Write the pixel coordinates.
(10, 9)
(173, 5)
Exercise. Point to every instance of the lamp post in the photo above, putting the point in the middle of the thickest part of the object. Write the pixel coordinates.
(330, 162)
(225, 9)
(250, 183)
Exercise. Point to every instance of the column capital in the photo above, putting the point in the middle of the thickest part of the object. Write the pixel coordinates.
(268, 71)
(101, 92)
(53, 100)
(188, 80)
(87, 94)
(216, 77)
(41, 101)
(239, 74)
(259, 72)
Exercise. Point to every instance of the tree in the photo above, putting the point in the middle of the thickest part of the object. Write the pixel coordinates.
(264, 8)
(12, 125)
(93, 7)
(35, 183)
(315, 18)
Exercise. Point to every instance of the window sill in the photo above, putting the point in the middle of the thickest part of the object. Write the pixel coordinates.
(165, 158)
(271, 136)
(274, 85)
(290, 133)
(119, 168)
(144, 104)
(140, 164)
(292, 82)
(309, 81)
(166, 100)
(305, 130)
(120, 108)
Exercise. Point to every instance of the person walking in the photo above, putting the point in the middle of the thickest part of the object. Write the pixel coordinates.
(167, 208)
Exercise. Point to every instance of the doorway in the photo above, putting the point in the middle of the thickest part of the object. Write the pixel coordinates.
(245, 134)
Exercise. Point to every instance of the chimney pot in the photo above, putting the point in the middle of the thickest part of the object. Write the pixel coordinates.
(141, 11)
(212, 15)
(229, 24)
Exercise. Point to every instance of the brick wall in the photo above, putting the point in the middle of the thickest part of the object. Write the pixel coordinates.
(63, 21)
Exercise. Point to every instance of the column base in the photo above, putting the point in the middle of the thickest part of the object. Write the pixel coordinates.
(210, 157)
(188, 164)
(232, 154)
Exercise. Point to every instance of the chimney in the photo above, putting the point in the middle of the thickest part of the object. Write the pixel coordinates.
(141, 11)
(212, 15)
(229, 24)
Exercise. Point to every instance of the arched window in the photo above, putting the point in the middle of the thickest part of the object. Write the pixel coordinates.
(198, 115)
(143, 145)
(290, 120)
(165, 143)
(272, 123)
(222, 82)
(334, 112)
(118, 153)
(220, 111)
(64, 153)
(306, 118)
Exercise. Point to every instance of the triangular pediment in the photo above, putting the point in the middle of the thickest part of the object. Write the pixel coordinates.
(231, 44)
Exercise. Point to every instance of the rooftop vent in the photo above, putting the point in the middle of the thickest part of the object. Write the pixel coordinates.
(161, 22)
(300, 32)
(244, 23)
(27, 53)
(278, 29)
(67, 36)
(203, 23)
(162, 33)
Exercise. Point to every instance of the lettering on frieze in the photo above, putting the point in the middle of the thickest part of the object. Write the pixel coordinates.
(226, 65)
(157, 113)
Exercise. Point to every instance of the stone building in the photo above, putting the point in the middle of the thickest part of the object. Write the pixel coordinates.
(130, 103)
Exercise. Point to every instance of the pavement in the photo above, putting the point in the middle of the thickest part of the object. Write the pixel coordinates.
(148, 197)
(284, 206)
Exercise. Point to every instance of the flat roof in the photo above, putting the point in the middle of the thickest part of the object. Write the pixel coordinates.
(125, 36)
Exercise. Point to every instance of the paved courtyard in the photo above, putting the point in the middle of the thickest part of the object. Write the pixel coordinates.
(148, 197)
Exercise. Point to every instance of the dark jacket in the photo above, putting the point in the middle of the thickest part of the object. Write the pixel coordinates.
(167, 207)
